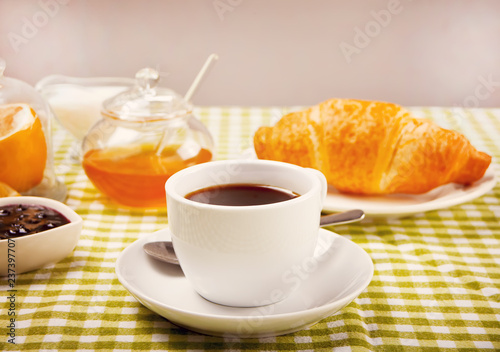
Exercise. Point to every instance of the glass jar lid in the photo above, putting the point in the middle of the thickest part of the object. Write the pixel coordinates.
(13, 90)
(146, 101)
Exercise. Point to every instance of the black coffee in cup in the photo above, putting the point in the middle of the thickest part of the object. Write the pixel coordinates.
(241, 194)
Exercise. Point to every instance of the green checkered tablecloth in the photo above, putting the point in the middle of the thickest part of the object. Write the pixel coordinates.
(436, 284)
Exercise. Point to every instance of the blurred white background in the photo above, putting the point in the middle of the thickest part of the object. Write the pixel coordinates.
(272, 52)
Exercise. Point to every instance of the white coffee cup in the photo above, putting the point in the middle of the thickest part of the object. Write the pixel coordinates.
(244, 256)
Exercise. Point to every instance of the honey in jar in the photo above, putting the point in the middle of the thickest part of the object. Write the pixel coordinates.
(117, 172)
(146, 135)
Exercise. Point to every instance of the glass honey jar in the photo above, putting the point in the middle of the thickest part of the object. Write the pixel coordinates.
(146, 134)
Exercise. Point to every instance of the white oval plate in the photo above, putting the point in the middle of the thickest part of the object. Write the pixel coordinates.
(399, 205)
(340, 271)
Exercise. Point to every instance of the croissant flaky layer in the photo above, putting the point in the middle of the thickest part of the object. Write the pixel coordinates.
(372, 148)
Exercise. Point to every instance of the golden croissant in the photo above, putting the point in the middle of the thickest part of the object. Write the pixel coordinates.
(372, 148)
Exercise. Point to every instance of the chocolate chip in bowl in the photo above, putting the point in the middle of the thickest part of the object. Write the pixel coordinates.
(34, 232)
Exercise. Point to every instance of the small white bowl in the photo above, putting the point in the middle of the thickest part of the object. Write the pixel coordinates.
(34, 251)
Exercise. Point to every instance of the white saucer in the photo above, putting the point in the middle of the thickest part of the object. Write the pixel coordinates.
(342, 272)
(399, 205)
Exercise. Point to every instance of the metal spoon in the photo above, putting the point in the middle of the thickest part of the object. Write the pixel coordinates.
(164, 250)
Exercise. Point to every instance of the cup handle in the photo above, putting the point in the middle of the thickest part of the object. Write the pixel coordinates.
(322, 180)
